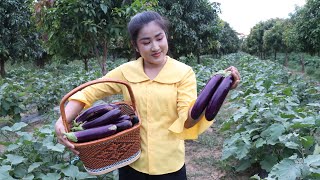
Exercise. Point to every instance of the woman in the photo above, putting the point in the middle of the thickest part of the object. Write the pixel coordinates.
(164, 90)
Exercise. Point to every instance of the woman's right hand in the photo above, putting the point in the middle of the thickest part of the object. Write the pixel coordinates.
(62, 139)
(72, 109)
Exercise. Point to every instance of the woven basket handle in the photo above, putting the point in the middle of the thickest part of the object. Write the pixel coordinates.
(82, 86)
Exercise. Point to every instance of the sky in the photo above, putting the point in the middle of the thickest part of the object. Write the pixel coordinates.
(242, 15)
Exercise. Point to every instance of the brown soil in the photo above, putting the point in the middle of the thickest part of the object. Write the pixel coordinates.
(203, 161)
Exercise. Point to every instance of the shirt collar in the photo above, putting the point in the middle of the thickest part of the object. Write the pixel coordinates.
(171, 72)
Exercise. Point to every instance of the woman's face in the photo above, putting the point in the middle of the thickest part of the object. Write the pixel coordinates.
(152, 44)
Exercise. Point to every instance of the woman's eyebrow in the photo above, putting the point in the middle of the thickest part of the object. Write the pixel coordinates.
(148, 38)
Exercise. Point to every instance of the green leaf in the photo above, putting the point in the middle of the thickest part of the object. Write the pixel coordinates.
(58, 147)
(25, 136)
(291, 145)
(268, 162)
(13, 147)
(316, 149)
(307, 141)
(272, 133)
(287, 91)
(228, 152)
(242, 150)
(34, 166)
(20, 171)
(313, 160)
(6, 128)
(314, 104)
(260, 142)
(57, 166)
(18, 126)
(71, 171)
(306, 120)
(28, 177)
(240, 113)
(243, 165)
(15, 159)
(4, 172)
(290, 140)
(46, 130)
(52, 176)
(287, 169)
(104, 8)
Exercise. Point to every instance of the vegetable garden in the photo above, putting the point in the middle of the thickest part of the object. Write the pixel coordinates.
(272, 123)
(268, 128)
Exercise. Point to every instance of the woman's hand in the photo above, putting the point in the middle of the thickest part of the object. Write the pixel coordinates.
(62, 139)
(72, 109)
(236, 76)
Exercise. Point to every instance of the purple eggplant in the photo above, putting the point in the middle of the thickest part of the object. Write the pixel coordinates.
(105, 119)
(123, 125)
(94, 112)
(218, 97)
(121, 118)
(205, 96)
(92, 134)
(134, 120)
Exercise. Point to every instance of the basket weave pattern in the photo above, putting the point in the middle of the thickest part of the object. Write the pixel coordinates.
(107, 154)
(110, 152)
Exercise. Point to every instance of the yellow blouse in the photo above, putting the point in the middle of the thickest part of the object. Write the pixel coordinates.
(162, 104)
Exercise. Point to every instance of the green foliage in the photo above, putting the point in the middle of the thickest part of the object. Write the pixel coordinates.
(11, 100)
(37, 155)
(44, 89)
(186, 36)
(83, 29)
(275, 123)
(307, 20)
(228, 40)
(17, 41)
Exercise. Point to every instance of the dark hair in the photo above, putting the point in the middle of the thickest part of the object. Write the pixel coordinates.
(139, 20)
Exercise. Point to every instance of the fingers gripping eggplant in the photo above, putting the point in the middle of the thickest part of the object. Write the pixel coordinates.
(218, 97)
(100, 121)
(205, 95)
(92, 134)
(94, 112)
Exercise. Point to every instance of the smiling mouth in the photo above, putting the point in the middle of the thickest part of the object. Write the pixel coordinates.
(156, 54)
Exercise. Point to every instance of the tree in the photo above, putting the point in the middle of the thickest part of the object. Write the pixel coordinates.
(255, 38)
(194, 26)
(273, 37)
(289, 40)
(81, 29)
(228, 38)
(16, 41)
(307, 23)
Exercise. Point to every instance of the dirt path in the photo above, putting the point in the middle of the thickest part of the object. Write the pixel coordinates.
(201, 160)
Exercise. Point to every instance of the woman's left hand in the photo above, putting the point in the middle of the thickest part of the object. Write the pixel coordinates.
(236, 76)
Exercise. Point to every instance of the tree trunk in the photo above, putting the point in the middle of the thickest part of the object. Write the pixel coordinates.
(286, 59)
(302, 63)
(275, 55)
(198, 59)
(2, 70)
(102, 59)
(40, 60)
(85, 61)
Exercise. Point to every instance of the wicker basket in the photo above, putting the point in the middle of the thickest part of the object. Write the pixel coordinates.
(107, 154)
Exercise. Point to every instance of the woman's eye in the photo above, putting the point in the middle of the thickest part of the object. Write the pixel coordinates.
(146, 43)
(159, 39)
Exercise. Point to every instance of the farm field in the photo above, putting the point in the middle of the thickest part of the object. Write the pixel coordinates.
(267, 128)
